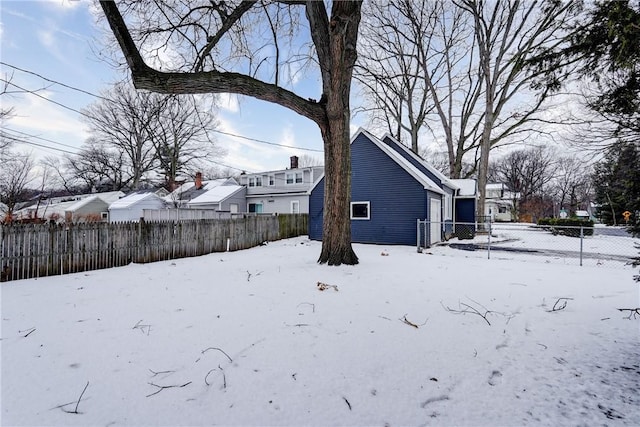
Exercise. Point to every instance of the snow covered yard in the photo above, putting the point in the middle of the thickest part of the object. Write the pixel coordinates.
(445, 337)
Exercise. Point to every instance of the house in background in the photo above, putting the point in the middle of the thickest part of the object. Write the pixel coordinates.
(131, 207)
(281, 191)
(500, 202)
(55, 208)
(391, 188)
(222, 198)
(91, 209)
(181, 196)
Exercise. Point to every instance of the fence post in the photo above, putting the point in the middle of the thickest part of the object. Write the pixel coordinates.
(418, 235)
(581, 239)
(489, 242)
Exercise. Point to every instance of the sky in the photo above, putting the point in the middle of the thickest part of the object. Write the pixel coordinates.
(61, 41)
(248, 338)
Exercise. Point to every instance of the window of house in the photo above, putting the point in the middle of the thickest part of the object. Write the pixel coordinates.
(289, 178)
(272, 180)
(252, 182)
(298, 177)
(502, 209)
(255, 208)
(295, 206)
(360, 210)
(258, 181)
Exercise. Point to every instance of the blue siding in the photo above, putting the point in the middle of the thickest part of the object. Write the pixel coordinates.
(316, 203)
(465, 210)
(421, 167)
(396, 199)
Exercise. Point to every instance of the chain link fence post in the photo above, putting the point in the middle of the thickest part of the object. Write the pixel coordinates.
(489, 242)
(581, 243)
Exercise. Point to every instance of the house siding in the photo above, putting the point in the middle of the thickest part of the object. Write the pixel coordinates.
(465, 210)
(421, 167)
(396, 198)
(276, 203)
(135, 211)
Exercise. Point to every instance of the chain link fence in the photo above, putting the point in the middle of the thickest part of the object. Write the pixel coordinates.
(569, 244)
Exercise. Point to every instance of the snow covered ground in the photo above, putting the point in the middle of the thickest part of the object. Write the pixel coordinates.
(445, 337)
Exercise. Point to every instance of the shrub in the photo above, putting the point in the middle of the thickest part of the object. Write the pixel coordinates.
(567, 226)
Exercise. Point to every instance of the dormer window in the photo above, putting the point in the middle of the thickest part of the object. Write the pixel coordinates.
(294, 178)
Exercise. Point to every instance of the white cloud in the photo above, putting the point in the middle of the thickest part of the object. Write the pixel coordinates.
(46, 38)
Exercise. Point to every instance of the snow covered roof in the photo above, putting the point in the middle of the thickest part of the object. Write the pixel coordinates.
(467, 187)
(131, 199)
(80, 203)
(496, 186)
(216, 194)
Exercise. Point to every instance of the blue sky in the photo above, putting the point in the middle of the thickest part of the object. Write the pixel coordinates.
(61, 40)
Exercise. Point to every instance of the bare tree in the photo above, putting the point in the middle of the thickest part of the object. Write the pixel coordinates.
(99, 167)
(528, 174)
(180, 136)
(122, 120)
(307, 160)
(242, 48)
(572, 183)
(508, 35)
(17, 173)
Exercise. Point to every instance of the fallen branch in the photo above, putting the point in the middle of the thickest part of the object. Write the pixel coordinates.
(325, 286)
(162, 387)
(75, 411)
(410, 323)
(635, 312)
(249, 275)
(219, 349)
(560, 304)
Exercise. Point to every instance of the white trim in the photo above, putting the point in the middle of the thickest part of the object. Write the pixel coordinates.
(360, 218)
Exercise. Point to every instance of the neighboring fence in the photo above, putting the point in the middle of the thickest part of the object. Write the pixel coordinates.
(183, 214)
(38, 250)
(572, 243)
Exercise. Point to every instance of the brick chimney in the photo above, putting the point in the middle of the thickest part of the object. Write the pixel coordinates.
(294, 162)
(198, 180)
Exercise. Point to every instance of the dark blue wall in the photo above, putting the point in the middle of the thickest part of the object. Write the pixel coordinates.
(421, 167)
(465, 210)
(396, 199)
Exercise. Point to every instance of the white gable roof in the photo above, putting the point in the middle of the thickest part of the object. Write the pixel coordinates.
(216, 194)
(132, 199)
(80, 203)
(423, 179)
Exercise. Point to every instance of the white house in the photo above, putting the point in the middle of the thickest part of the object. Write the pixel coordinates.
(500, 202)
(130, 208)
(225, 198)
(281, 191)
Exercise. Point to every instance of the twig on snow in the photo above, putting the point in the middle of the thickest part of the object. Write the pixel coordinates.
(347, 402)
(410, 323)
(249, 275)
(635, 312)
(142, 327)
(162, 387)
(28, 332)
(560, 304)
(224, 377)
(466, 308)
(219, 349)
(159, 372)
(313, 306)
(75, 411)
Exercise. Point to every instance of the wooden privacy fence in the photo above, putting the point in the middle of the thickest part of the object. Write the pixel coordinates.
(38, 250)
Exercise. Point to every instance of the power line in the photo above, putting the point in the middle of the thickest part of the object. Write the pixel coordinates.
(24, 141)
(112, 101)
(39, 137)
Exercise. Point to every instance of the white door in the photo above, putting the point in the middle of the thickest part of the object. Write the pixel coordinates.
(435, 218)
(233, 207)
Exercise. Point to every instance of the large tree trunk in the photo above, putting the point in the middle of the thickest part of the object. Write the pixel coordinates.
(336, 222)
